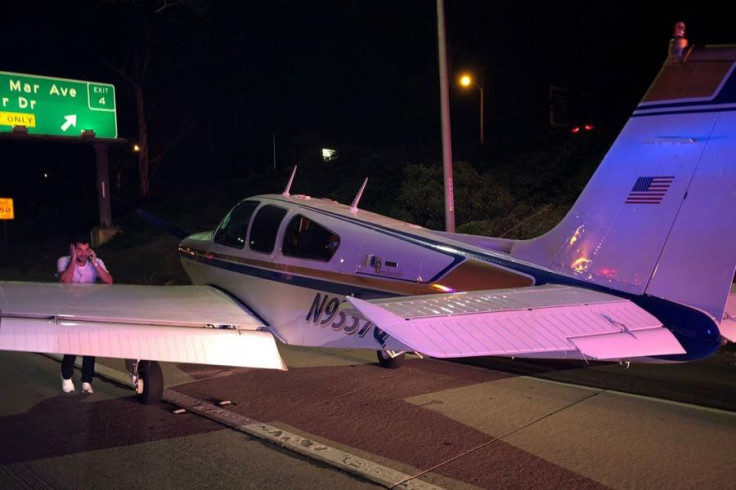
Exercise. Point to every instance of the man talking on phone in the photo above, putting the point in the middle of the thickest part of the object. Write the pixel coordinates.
(84, 267)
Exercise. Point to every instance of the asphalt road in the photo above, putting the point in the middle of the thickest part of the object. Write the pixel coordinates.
(452, 425)
(709, 382)
(107, 440)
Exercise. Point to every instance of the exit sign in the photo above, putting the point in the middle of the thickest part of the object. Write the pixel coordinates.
(6, 208)
(57, 106)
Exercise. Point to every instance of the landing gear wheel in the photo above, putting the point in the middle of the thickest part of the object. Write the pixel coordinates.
(150, 385)
(387, 360)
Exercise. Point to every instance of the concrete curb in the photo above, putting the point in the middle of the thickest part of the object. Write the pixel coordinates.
(361, 467)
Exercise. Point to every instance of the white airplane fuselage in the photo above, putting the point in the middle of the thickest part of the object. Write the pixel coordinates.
(300, 298)
(377, 257)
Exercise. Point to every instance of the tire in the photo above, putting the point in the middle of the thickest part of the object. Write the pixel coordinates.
(152, 379)
(386, 361)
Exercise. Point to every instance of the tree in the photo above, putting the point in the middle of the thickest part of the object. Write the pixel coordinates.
(145, 27)
(477, 197)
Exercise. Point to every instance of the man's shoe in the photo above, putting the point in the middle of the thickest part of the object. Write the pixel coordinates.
(67, 386)
(87, 388)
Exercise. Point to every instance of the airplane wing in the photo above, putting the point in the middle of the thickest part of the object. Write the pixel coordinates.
(547, 321)
(191, 324)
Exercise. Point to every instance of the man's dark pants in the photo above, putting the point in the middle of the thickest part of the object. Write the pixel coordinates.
(88, 367)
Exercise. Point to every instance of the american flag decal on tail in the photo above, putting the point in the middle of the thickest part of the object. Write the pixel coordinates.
(649, 190)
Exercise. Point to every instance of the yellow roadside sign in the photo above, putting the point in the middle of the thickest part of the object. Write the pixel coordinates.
(6, 208)
(17, 119)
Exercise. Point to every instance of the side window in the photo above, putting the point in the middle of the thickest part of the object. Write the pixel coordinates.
(265, 225)
(233, 228)
(307, 240)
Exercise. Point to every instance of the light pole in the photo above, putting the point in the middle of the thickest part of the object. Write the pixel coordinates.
(466, 81)
(445, 113)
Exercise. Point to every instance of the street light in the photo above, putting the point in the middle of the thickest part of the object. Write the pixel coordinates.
(466, 80)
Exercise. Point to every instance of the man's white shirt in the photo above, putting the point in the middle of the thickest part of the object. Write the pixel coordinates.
(85, 274)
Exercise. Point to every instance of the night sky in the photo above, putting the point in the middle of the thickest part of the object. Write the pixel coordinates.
(225, 76)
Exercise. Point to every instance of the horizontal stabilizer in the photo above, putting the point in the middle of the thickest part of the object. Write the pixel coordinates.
(544, 321)
(728, 324)
(190, 324)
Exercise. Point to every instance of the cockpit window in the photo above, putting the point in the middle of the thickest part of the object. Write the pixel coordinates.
(307, 240)
(234, 227)
(265, 225)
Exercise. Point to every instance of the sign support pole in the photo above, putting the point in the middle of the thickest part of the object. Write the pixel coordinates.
(103, 184)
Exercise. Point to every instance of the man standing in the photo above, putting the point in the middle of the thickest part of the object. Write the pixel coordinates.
(80, 266)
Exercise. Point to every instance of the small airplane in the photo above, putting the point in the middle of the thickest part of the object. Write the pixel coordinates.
(639, 270)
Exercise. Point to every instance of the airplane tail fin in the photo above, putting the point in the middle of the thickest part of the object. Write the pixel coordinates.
(658, 217)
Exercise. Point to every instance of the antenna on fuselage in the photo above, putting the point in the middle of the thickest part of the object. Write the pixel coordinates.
(288, 186)
(354, 206)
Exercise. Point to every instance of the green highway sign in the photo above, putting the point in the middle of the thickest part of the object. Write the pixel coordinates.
(57, 106)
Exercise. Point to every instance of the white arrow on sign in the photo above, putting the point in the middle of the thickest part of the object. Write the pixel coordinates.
(71, 120)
